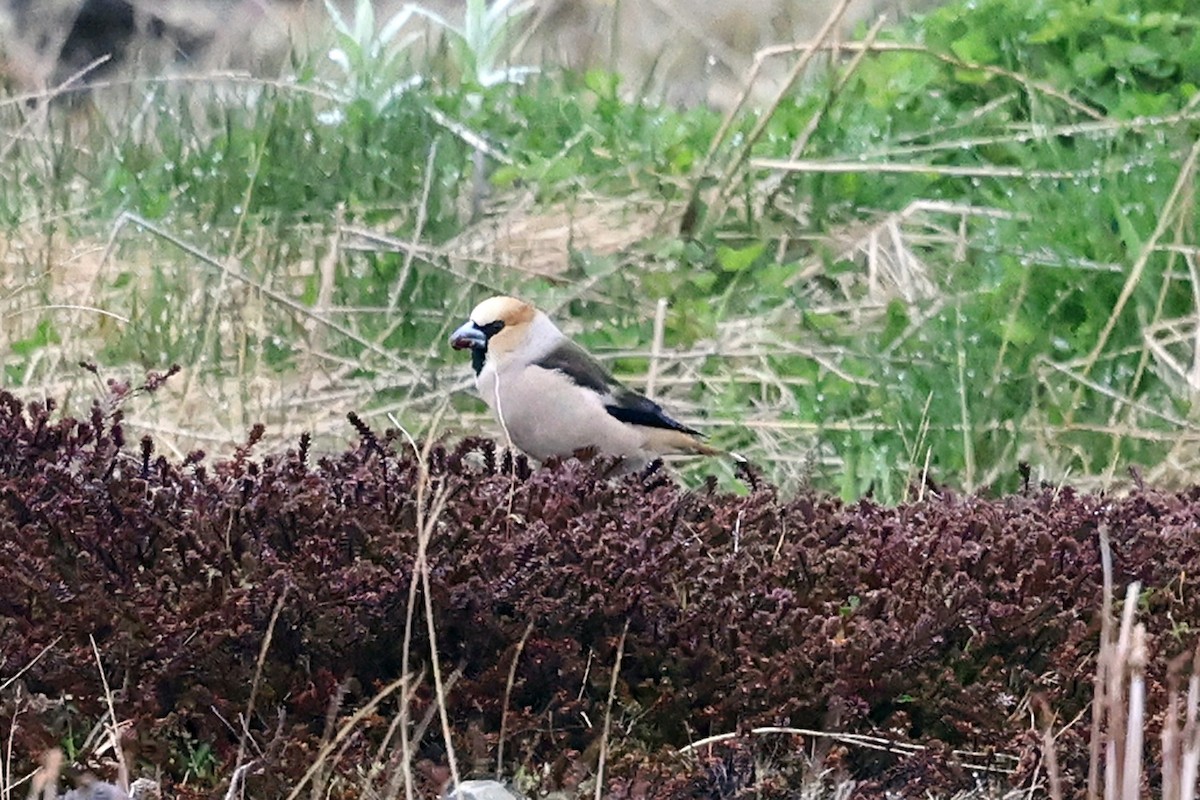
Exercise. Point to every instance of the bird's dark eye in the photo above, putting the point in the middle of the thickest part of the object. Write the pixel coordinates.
(491, 329)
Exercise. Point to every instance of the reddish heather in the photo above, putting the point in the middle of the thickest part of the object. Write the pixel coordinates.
(934, 622)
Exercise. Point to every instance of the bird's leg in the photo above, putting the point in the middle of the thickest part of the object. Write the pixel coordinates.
(586, 454)
(620, 467)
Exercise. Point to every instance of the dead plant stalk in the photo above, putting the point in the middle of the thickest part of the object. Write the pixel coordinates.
(612, 696)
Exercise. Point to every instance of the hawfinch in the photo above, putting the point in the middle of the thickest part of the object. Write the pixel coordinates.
(553, 399)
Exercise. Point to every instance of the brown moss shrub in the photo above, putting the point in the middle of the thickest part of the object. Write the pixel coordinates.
(933, 622)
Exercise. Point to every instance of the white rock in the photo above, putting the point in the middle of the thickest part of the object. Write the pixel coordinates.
(483, 790)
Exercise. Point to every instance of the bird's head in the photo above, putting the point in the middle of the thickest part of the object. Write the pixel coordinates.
(498, 327)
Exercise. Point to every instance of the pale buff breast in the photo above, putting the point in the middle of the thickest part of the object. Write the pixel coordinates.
(547, 414)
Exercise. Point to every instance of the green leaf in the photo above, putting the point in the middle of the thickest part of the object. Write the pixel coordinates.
(976, 47)
(44, 334)
(897, 322)
(736, 260)
(681, 157)
(703, 281)
(602, 83)
(364, 22)
(1089, 64)
(309, 296)
(505, 176)
(1017, 331)
(1116, 50)
(1140, 55)
(822, 322)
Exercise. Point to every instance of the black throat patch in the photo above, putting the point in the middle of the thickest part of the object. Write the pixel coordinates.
(478, 355)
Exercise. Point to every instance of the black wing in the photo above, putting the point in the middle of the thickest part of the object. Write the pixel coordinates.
(573, 361)
(636, 409)
(622, 403)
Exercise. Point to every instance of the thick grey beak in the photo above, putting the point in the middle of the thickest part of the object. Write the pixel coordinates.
(468, 337)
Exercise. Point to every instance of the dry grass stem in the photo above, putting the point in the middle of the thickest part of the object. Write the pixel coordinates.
(410, 253)
(41, 101)
(903, 47)
(66, 307)
(508, 685)
(836, 167)
(1135, 725)
(1165, 216)
(865, 741)
(237, 781)
(475, 140)
(1081, 380)
(1050, 754)
(872, 35)
(423, 532)
(41, 653)
(1104, 127)
(223, 268)
(742, 153)
(115, 726)
(612, 697)
(245, 735)
(656, 346)
(439, 685)
(760, 59)
(1189, 771)
(45, 781)
(426, 521)
(327, 282)
(965, 414)
(328, 747)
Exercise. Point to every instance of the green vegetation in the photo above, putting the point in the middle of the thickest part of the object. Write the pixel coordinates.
(971, 246)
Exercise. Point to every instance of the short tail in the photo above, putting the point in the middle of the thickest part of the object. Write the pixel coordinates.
(665, 441)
